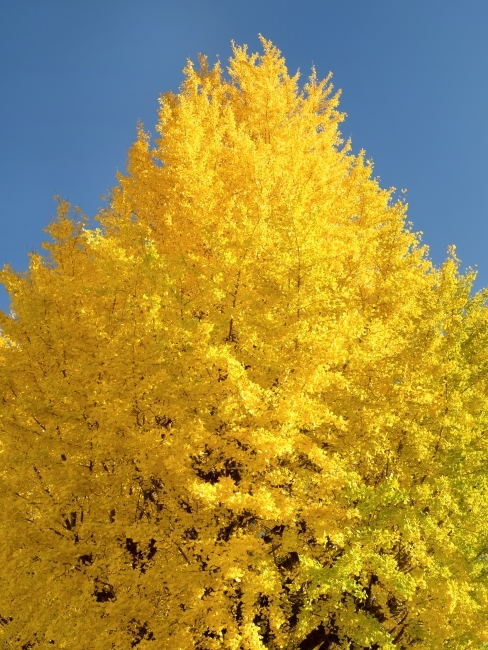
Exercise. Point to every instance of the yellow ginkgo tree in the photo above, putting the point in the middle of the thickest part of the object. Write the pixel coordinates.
(246, 412)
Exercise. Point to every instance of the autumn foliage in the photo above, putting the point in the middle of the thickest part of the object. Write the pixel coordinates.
(246, 412)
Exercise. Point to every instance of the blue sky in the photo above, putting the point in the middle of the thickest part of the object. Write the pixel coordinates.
(76, 76)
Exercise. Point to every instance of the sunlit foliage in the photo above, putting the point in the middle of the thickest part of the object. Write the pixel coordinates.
(245, 412)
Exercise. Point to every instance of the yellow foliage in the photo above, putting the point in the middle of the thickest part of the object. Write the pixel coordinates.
(246, 412)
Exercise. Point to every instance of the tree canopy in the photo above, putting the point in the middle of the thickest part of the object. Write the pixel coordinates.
(246, 412)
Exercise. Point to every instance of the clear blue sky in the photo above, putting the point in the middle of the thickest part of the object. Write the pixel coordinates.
(77, 75)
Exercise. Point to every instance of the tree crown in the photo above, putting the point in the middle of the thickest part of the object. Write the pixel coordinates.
(246, 411)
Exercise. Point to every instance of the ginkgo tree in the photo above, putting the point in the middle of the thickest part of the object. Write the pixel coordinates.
(246, 411)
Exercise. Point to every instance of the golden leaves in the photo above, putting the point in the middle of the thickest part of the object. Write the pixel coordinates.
(256, 412)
